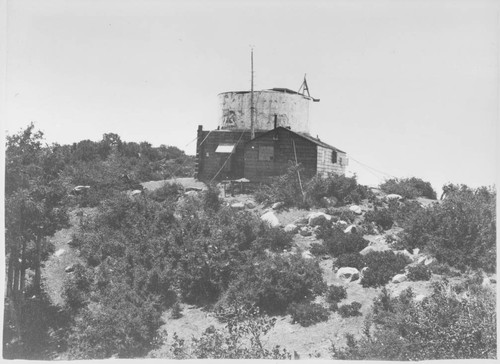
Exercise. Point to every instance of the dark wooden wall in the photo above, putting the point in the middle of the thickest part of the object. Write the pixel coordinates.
(260, 171)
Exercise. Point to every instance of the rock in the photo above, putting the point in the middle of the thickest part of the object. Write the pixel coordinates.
(420, 297)
(238, 206)
(394, 196)
(416, 251)
(429, 260)
(305, 232)
(191, 193)
(291, 228)
(350, 229)
(398, 278)
(59, 252)
(486, 282)
(349, 273)
(356, 209)
(329, 201)
(307, 255)
(318, 218)
(342, 222)
(277, 205)
(301, 221)
(69, 268)
(421, 260)
(250, 204)
(406, 253)
(271, 219)
(135, 192)
(363, 271)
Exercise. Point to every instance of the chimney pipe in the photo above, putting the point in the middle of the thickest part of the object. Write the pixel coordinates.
(275, 121)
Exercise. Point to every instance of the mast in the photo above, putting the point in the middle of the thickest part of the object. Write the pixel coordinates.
(252, 127)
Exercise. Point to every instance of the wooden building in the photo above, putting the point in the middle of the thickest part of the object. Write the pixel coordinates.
(231, 154)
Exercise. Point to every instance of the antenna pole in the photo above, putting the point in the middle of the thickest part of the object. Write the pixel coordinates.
(252, 127)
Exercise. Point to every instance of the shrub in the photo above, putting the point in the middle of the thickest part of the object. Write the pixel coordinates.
(307, 314)
(460, 231)
(169, 191)
(382, 266)
(318, 249)
(409, 187)
(344, 189)
(274, 238)
(337, 242)
(342, 214)
(445, 325)
(350, 310)
(275, 283)
(354, 260)
(335, 293)
(381, 217)
(176, 311)
(419, 273)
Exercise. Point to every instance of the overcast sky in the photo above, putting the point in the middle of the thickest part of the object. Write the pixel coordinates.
(407, 88)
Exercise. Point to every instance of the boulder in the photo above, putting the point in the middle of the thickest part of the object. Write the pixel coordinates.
(305, 231)
(349, 273)
(356, 209)
(429, 260)
(191, 193)
(277, 205)
(307, 255)
(421, 260)
(406, 253)
(329, 201)
(372, 248)
(59, 252)
(69, 268)
(250, 204)
(350, 229)
(238, 206)
(318, 218)
(398, 278)
(291, 228)
(420, 297)
(271, 219)
(135, 192)
(394, 196)
(342, 222)
(416, 251)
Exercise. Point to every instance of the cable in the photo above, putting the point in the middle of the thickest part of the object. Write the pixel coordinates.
(376, 170)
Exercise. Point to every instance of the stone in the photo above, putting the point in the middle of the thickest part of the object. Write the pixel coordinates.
(135, 192)
(69, 268)
(291, 228)
(429, 260)
(356, 209)
(363, 271)
(421, 260)
(301, 221)
(350, 229)
(406, 253)
(349, 273)
(329, 201)
(398, 278)
(271, 219)
(342, 222)
(394, 196)
(305, 231)
(238, 206)
(250, 204)
(307, 255)
(318, 218)
(59, 252)
(191, 193)
(277, 205)
(416, 251)
(420, 297)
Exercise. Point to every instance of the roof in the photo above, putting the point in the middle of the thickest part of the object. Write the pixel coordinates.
(304, 136)
(275, 89)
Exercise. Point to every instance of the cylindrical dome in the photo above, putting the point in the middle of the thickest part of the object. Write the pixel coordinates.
(290, 107)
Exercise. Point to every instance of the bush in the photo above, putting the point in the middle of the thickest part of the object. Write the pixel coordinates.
(307, 314)
(381, 217)
(354, 260)
(342, 214)
(276, 282)
(274, 238)
(318, 249)
(460, 231)
(169, 191)
(445, 325)
(350, 310)
(345, 189)
(409, 188)
(337, 242)
(382, 266)
(335, 294)
(419, 273)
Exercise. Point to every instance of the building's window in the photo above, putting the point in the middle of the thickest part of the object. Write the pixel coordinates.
(334, 156)
(266, 153)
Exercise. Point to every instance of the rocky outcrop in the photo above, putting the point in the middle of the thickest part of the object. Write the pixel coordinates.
(349, 273)
(271, 219)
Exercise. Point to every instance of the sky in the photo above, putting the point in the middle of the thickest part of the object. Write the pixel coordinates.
(407, 88)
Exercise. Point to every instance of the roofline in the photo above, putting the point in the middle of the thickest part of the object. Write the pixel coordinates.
(310, 139)
(280, 90)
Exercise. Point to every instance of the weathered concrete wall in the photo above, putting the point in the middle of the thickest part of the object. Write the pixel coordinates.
(326, 164)
(292, 110)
